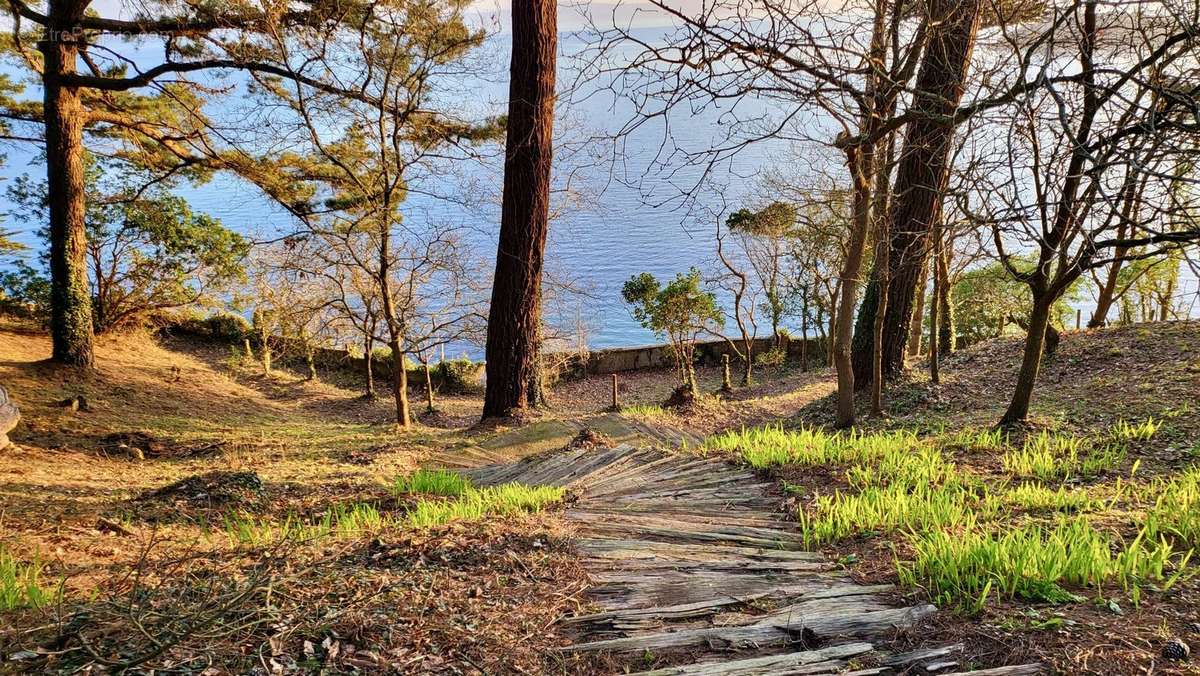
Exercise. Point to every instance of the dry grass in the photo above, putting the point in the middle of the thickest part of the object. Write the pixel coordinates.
(79, 498)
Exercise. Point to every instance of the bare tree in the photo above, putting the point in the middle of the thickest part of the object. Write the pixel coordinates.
(1074, 149)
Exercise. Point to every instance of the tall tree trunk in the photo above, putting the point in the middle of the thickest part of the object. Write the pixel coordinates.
(1035, 339)
(804, 332)
(920, 184)
(861, 164)
(882, 227)
(309, 360)
(1106, 294)
(71, 328)
(368, 349)
(400, 385)
(947, 334)
(514, 316)
(935, 355)
(916, 328)
(428, 386)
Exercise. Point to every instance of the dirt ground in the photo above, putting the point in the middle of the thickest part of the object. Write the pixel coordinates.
(468, 598)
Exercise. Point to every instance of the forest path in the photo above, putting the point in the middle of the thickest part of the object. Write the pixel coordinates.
(690, 557)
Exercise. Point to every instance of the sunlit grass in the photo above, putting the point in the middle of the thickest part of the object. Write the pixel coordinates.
(21, 583)
(986, 440)
(912, 466)
(1035, 497)
(965, 568)
(450, 498)
(1049, 456)
(647, 411)
(1143, 431)
(476, 504)
(1176, 510)
(892, 508)
(432, 482)
(771, 446)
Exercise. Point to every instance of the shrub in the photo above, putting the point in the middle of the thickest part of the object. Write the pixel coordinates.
(775, 356)
(459, 376)
(227, 326)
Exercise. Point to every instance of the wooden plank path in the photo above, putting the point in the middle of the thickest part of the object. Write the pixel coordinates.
(688, 555)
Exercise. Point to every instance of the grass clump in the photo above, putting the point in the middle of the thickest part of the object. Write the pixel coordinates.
(922, 465)
(1176, 510)
(1034, 497)
(21, 584)
(1031, 563)
(1049, 457)
(647, 411)
(891, 508)
(772, 446)
(1143, 431)
(477, 503)
(432, 482)
(986, 440)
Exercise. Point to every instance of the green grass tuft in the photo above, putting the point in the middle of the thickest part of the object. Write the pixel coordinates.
(1033, 562)
(21, 584)
(1176, 510)
(1049, 457)
(1143, 431)
(432, 482)
(771, 446)
(891, 508)
(477, 503)
(1034, 497)
(648, 411)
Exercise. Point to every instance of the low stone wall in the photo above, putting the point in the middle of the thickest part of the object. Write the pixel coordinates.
(601, 361)
(618, 359)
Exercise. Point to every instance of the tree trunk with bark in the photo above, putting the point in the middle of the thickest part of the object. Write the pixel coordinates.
(947, 334)
(917, 325)
(369, 358)
(1039, 322)
(515, 313)
(920, 183)
(935, 355)
(861, 164)
(71, 328)
(400, 385)
(428, 386)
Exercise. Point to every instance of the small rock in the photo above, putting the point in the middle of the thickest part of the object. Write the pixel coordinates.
(1176, 649)
(22, 655)
(75, 403)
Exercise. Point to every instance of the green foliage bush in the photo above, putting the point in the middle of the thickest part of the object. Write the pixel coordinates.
(25, 292)
(226, 326)
(459, 376)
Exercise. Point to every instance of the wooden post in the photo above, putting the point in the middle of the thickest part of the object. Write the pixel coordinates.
(726, 382)
(616, 404)
(1078, 317)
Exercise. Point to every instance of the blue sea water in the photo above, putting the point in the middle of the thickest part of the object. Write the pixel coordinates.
(641, 209)
(630, 215)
